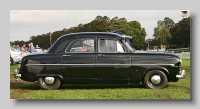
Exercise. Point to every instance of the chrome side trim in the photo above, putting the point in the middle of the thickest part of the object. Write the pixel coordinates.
(41, 64)
(55, 64)
(78, 64)
(75, 64)
(115, 64)
(151, 64)
(103, 64)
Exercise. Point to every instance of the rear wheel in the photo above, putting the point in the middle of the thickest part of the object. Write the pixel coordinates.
(49, 83)
(155, 79)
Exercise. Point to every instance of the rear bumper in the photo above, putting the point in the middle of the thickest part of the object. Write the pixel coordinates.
(181, 74)
(16, 74)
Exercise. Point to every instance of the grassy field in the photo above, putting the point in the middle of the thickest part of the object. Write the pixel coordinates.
(178, 90)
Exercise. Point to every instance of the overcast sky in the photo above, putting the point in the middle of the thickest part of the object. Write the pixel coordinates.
(27, 23)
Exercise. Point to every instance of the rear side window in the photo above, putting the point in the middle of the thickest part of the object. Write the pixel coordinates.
(81, 46)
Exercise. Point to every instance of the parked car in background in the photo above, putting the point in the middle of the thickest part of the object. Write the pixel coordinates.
(10, 59)
(38, 50)
(99, 58)
(16, 55)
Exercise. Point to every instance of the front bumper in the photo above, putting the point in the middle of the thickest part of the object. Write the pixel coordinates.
(16, 74)
(181, 74)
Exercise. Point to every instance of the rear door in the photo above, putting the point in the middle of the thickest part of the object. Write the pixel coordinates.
(78, 61)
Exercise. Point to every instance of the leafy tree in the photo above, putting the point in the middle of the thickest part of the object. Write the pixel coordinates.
(118, 25)
(181, 33)
(32, 37)
(169, 22)
(99, 24)
(132, 28)
(162, 33)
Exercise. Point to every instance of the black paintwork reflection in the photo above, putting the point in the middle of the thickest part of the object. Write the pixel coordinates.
(142, 62)
(78, 65)
(40, 64)
(145, 58)
(113, 65)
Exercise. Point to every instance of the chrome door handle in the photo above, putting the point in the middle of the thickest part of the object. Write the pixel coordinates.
(66, 55)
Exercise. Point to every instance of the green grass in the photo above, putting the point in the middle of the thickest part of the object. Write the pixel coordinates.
(177, 90)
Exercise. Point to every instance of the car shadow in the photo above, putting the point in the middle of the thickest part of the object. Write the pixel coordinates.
(24, 85)
(35, 86)
(100, 86)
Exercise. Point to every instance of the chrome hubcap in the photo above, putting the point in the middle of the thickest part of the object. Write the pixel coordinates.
(155, 79)
(49, 80)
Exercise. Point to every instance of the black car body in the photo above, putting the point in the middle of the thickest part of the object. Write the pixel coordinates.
(99, 58)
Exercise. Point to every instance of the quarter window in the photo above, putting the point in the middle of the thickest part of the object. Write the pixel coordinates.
(81, 45)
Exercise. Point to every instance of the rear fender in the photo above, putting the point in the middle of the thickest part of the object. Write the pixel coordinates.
(49, 75)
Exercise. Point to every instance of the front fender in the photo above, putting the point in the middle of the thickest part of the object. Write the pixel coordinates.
(157, 68)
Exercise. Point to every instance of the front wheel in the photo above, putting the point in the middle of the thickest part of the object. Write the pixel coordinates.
(155, 79)
(49, 83)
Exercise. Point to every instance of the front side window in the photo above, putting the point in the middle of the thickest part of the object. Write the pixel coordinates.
(110, 45)
(81, 45)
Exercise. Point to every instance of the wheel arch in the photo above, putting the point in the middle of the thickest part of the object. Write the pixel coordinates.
(157, 68)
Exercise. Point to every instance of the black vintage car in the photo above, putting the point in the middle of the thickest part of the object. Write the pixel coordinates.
(99, 58)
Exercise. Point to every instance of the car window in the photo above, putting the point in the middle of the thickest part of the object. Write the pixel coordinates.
(110, 45)
(81, 45)
(14, 49)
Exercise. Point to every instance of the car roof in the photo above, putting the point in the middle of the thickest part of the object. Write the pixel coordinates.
(102, 34)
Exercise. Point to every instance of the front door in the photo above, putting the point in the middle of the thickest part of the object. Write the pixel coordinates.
(113, 63)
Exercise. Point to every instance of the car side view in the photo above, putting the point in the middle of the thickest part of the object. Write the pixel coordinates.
(99, 58)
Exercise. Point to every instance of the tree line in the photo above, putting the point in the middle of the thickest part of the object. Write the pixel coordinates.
(173, 35)
(167, 32)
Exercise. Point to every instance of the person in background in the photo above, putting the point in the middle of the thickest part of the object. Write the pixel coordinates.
(17, 47)
(23, 48)
(31, 48)
(28, 48)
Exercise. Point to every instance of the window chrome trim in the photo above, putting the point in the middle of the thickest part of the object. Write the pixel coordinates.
(56, 64)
